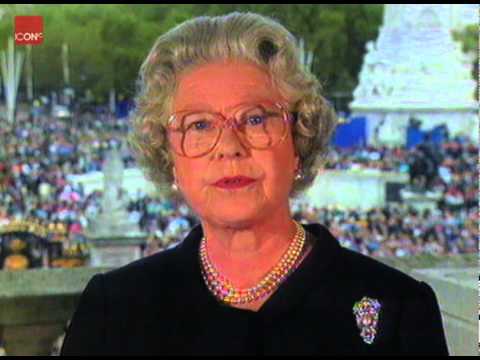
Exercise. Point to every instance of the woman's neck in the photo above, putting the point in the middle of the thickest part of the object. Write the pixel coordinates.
(245, 254)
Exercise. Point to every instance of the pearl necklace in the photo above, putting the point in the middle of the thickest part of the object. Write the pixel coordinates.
(223, 289)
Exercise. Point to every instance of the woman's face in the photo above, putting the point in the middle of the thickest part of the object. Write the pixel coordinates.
(219, 87)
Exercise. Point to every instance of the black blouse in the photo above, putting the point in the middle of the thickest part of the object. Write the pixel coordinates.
(160, 305)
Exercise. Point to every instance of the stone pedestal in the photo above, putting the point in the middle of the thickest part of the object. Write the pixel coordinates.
(115, 252)
(388, 126)
(421, 201)
(362, 188)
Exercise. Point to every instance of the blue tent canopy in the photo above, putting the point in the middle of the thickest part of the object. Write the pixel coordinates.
(350, 134)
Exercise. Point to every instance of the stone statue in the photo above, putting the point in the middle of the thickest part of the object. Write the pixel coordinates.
(113, 220)
(371, 56)
(113, 179)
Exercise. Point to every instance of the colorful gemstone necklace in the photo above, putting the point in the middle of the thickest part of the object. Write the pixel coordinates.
(223, 289)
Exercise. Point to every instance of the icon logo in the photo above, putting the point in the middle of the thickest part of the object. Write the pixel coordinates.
(28, 30)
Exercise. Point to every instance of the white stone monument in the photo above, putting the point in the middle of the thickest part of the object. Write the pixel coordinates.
(416, 69)
(115, 239)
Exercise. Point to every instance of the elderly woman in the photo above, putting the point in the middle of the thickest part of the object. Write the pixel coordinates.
(228, 115)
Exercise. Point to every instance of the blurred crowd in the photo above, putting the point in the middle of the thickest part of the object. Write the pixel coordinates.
(37, 153)
(455, 175)
(36, 157)
(398, 230)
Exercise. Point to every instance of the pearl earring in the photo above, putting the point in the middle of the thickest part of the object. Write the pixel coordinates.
(174, 185)
(299, 175)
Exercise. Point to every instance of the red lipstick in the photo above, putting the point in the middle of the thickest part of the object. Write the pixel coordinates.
(234, 182)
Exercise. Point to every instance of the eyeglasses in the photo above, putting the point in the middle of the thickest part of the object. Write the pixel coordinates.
(258, 126)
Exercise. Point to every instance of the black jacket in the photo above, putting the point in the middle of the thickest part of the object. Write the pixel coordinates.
(160, 305)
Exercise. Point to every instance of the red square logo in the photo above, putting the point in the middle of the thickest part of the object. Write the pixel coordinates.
(28, 30)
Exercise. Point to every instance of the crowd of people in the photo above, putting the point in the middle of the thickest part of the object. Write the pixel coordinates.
(399, 230)
(36, 157)
(37, 154)
(455, 178)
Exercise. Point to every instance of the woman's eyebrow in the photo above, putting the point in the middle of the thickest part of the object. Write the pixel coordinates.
(210, 108)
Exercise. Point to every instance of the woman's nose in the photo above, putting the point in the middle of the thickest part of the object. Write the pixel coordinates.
(229, 145)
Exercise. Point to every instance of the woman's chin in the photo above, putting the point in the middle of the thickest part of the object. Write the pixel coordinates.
(237, 224)
(234, 215)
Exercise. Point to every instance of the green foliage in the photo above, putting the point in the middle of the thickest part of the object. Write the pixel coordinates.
(470, 42)
(469, 38)
(107, 43)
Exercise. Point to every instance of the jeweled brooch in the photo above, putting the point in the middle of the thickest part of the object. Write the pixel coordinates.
(366, 314)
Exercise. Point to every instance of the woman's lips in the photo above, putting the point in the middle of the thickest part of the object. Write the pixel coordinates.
(234, 182)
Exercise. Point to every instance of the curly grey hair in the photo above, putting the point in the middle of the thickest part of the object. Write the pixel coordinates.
(245, 36)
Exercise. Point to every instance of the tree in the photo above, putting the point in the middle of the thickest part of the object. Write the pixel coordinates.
(469, 39)
(107, 43)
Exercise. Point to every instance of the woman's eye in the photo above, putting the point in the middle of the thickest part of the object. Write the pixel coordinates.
(199, 125)
(255, 120)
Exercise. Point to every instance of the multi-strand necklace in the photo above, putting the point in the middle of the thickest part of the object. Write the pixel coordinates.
(223, 289)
